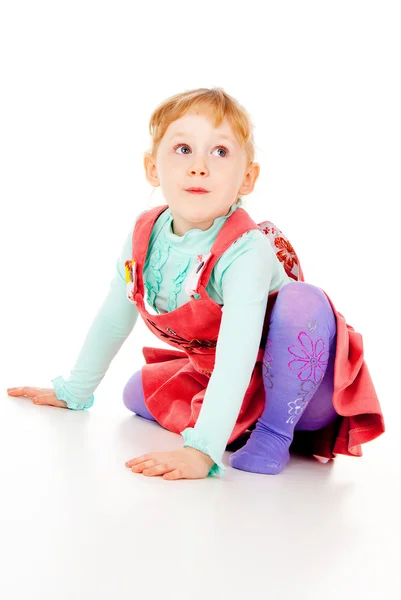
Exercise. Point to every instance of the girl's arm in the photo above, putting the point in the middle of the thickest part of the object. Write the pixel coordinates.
(245, 286)
(110, 328)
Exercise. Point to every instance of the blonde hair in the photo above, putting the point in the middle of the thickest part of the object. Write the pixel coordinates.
(216, 103)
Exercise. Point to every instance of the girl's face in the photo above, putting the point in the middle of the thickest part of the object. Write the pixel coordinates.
(194, 154)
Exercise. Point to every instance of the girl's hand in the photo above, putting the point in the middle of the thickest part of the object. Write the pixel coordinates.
(45, 396)
(185, 463)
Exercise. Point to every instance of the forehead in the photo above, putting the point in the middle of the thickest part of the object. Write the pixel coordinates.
(194, 122)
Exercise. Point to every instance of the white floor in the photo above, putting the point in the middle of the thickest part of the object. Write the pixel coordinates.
(76, 523)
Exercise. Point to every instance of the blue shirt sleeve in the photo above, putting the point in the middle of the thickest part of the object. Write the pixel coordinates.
(110, 328)
(246, 274)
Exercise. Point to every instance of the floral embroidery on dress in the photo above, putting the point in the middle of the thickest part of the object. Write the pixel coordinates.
(130, 271)
(194, 276)
(206, 372)
(284, 251)
(189, 345)
(311, 358)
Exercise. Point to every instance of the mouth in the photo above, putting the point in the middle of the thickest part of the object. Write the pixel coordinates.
(197, 191)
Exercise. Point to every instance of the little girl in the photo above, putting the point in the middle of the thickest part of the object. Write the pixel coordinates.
(257, 352)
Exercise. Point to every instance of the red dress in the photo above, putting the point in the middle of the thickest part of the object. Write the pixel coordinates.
(174, 381)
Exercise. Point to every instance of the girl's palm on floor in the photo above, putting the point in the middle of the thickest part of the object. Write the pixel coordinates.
(44, 396)
(184, 463)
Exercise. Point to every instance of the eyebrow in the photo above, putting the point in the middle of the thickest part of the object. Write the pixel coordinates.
(220, 135)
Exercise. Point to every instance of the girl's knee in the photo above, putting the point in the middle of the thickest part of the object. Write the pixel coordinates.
(299, 302)
(297, 290)
(132, 392)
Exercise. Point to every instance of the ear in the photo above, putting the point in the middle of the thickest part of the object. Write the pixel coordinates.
(251, 175)
(149, 162)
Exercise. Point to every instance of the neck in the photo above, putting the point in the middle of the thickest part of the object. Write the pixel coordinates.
(181, 227)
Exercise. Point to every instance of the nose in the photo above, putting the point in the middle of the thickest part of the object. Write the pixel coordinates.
(199, 167)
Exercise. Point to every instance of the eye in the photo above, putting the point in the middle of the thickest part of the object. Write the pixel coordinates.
(222, 149)
(182, 146)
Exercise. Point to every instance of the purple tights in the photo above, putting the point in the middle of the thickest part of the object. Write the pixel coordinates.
(298, 371)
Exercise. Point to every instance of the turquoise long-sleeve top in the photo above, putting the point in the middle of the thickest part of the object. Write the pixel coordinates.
(240, 282)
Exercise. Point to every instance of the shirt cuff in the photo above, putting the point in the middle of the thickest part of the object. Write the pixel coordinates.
(62, 394)
(193, 440)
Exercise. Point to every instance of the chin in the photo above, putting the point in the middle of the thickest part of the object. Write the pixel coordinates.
(192, 213)
(199, 218)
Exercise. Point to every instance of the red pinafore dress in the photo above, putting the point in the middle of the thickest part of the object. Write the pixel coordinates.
(175, 380)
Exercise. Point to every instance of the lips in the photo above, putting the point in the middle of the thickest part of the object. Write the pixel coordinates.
(197, 190)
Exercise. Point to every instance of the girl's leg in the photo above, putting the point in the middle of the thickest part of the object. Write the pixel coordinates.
(298, 369)
(133, 396)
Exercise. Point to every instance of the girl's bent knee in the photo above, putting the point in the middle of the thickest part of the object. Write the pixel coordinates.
(295, 290)
(299, 302)
(133, 391)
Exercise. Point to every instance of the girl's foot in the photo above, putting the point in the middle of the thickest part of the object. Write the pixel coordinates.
(263, 453)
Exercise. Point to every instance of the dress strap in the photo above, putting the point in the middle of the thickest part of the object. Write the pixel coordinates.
(140, 242)
(237, 224)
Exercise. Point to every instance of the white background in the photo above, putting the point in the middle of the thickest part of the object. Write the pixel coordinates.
(78, 82)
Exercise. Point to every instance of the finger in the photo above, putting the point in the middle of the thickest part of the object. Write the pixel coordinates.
(138, 460)
(45, 398)
(176, 474)
(145, 465)
(49, 400)
(158, 470)
(24, 391)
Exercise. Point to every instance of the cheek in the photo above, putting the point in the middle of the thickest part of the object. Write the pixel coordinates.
(238, 173)
(168, 171)
(173, 164)
(228, 174)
